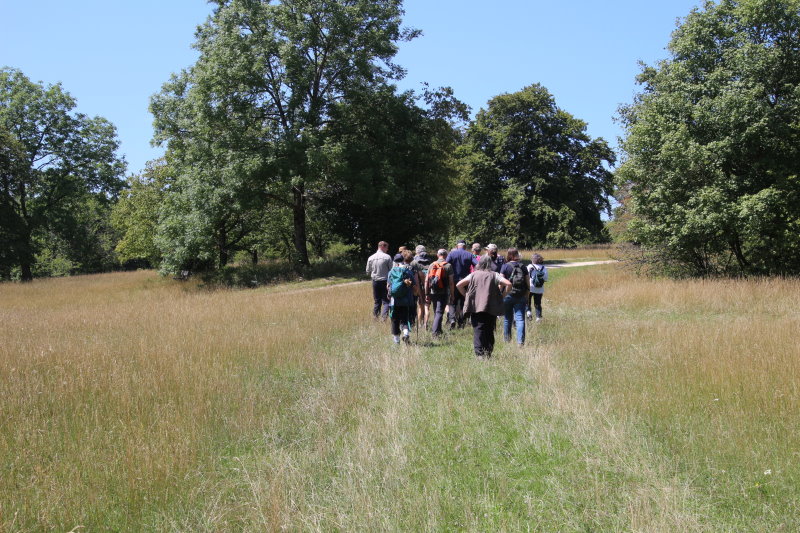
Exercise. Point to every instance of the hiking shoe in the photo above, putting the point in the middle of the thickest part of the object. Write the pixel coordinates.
(538, 319)
(528, 315)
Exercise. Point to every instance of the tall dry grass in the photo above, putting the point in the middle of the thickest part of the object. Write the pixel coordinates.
(120, 392)
(711, 368)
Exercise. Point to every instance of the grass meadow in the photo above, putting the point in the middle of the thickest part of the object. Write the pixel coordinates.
(133, 402)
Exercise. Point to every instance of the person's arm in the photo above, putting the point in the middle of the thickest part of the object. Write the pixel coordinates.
(369, 267)
(462, 286)
(452, 288)
(505, 285)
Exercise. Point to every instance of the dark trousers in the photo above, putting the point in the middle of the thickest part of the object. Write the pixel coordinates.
(439, 302)
(402, 316)
(483, 325)
(457, 310)
(537, 303)
(381, 298)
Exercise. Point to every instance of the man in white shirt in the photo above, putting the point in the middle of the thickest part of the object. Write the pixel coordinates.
(378, 266)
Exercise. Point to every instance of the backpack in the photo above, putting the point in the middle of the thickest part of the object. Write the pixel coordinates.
(437, 276)
(518, 284)
(398, 288)
(537, 277)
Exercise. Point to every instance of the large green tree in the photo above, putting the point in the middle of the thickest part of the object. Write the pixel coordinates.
(390, 173)
(713, 143)
(262, 90)
(52, 161)
(534, 176)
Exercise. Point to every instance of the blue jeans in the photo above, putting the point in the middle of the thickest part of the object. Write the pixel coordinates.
(514, 307)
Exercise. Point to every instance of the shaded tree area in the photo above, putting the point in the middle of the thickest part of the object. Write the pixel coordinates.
(533, 177)
(713, 144)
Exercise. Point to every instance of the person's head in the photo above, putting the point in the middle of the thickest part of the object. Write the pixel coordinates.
(401, 249)
(460, 244)
(491, 249)
(383, 246)
(408, 256)
(421, 249)
(485, 263)
(476, 248)
(442, 253)
(512, 254)
(537, 259)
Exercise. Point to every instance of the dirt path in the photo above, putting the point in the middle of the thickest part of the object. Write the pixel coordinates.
(582, 264)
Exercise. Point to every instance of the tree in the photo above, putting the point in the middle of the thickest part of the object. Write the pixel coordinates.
(535, 177)
(713, 142)
(52, 159)
(135, 215)
(390, 172)
(266, 80)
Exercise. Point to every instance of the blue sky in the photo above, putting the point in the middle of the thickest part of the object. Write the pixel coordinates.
(112, 56)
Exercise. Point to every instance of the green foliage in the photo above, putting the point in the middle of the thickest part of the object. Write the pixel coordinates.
(389, 168)
(58, 173)
(244, 123)
(713, 142)
(534, 177)
(135, 215)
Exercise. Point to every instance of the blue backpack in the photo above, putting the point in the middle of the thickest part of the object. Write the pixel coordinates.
(398, 288)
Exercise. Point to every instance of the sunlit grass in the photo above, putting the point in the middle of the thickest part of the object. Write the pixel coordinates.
(133, 402)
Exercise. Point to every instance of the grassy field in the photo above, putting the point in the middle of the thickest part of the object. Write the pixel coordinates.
(131, 402)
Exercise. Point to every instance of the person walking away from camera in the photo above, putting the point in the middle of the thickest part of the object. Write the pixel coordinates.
(422, 262)
(538, 276)
(439, 289)
(398, 257)
(403, 287)
(516, 301)
(476, 255)
(378, 266)
(497, 260)
(461, 261)
(483, 293)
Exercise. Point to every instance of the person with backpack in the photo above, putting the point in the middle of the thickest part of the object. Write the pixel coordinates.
(461, 260)
(516, 301)
(439, 289)
(483, 299)
(403, 287)
(421, 264)
(538, 275)
(378, 266)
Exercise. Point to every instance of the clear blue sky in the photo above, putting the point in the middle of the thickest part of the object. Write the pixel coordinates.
(112, 56)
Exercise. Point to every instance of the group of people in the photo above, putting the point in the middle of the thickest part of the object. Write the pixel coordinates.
(461, 284)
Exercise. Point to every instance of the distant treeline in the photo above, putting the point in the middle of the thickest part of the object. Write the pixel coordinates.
(288, 138)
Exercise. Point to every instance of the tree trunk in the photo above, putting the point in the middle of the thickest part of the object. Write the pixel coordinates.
(24, 253)
(254, 255)
(299, 212)
(222, 243)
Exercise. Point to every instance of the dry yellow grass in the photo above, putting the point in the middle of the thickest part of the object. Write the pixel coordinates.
(121, 387)
(712, 368)
(132, 402)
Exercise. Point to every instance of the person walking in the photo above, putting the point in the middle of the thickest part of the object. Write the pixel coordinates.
(516, 301)
(483, 293)
(476, 255)
(497, 260)
(439, 289)
(461, 260)
(421, 264)
(538, 276)
(403, 287)
(378, 266)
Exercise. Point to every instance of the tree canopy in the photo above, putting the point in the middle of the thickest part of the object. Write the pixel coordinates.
(251, 111)
(56, 167)
(712, 147)
(533, 175)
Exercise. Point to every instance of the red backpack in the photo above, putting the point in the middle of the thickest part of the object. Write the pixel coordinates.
(437, 276)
